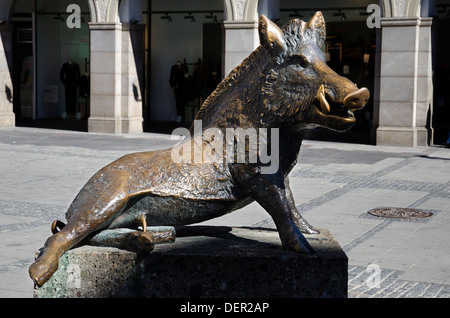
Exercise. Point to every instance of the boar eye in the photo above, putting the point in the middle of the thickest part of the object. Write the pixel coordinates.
(298, 60)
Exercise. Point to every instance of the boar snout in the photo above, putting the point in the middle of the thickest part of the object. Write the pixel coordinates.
(336, 112)
(357, 100)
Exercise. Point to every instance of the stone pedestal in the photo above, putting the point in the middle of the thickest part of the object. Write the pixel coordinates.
(207, 262)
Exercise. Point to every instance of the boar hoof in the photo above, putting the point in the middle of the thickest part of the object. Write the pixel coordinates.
(300, 245)
(41, 270)
(306, 228)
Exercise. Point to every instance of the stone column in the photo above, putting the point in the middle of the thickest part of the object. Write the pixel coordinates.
(106, 48)
(106, 88)
(240, 32)
(405, 88)
(7, 117)
(116, 103)
(130, 14)
(132, 69)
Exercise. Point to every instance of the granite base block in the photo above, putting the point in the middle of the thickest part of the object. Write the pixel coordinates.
(207, 262)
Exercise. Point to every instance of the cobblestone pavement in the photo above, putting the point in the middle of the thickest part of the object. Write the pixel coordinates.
(391, 285)
(334, 185)
(415, 252)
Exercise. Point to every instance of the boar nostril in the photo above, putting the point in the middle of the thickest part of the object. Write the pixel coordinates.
(357, 100)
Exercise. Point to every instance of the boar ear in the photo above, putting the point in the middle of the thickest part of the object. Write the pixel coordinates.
(317, 28)
(270, 35)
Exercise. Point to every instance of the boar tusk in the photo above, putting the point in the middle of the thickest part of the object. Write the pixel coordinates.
(325, 107)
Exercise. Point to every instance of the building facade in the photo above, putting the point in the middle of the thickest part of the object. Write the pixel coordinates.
(120, 66)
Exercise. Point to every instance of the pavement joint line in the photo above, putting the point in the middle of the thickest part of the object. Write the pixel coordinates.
(372, 231)
(435, 192)
(392, 286)
(410, 290)
(425, 290)
(397, 288)
(23, 225)
(56, 154)
(23, 263)
(38, 211)
(41, 179)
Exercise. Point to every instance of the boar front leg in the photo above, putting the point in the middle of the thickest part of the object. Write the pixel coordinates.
(304, 226)
(269, 191)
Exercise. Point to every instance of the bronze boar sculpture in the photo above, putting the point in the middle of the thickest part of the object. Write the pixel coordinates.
(285, 84)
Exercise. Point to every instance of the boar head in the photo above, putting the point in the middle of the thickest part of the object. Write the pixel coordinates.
(299, 85)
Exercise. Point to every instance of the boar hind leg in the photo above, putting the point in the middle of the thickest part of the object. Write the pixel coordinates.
(89, 216)
(272, 197)
(304, 226)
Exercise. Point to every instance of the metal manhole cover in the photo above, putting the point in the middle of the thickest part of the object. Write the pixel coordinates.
(400, 213)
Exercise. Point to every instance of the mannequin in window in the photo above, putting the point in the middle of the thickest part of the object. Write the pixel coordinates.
(70, 76)
(176, 81)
